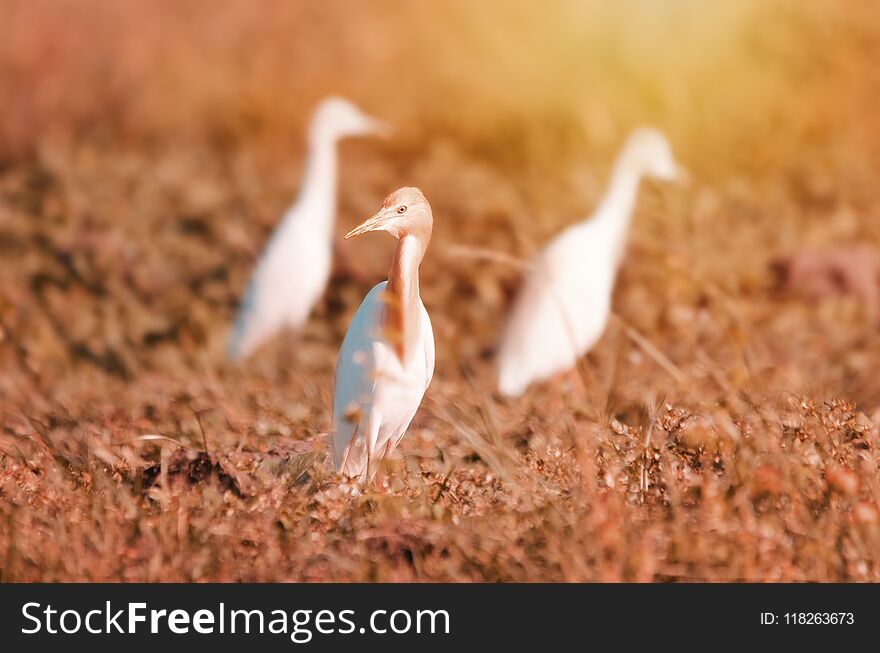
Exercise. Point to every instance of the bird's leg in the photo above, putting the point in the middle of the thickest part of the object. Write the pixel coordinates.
(570, 390)
(556, 402)
(381, 458)
(577, 384)
(368, 471)
(378, 480)
(374, 455)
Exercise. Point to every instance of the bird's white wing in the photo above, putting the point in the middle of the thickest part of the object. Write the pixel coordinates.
(288, 280)
(428, 339)
(536, 340)
(559, 313)
(399, 392)
(356, 375)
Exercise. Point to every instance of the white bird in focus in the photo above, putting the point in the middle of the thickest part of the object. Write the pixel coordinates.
(293, 270)
(564, 304)
(387, 357)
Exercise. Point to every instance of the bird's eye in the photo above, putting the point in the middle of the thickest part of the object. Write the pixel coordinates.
(401, 209)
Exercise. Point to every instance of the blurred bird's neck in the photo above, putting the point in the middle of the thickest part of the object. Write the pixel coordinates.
(616, 207)
(318, 190)
(403, 304)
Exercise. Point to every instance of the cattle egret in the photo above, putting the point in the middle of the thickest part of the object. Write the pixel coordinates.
(387, 357)
(293, 270)
(564, 304)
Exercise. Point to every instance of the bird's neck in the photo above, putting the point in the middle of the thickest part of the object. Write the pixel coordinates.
(403, 304)
(616, 208)
(318, 190)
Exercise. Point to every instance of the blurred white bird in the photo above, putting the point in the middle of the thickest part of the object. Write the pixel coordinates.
(293, 270)
(387, 358)
(565, 301)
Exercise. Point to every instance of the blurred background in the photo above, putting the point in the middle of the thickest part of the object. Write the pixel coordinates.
(152, 143)
(147, 149)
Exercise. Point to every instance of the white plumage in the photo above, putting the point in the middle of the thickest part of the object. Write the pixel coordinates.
(293, 270)
(387, 357)
(564, 304)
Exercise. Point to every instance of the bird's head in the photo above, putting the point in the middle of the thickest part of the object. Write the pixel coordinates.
(337, 118)
(405, 211)
(648, 152)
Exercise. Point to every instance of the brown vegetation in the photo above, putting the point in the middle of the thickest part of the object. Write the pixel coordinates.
(147, 149)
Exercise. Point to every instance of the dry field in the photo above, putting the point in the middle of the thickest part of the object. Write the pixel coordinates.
(731, 427)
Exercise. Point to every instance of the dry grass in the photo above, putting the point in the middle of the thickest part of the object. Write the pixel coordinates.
(146, 150)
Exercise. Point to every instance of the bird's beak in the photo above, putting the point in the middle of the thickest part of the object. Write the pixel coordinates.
(375, 126)
(380, 128)
(374, 223)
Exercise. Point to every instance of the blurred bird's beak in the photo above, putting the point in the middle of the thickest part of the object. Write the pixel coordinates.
(377, 222)
(682, 176)
(373, 126)
(379, 128)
